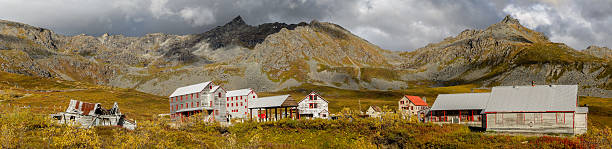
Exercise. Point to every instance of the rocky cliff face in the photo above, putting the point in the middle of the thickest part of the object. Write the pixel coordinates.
(276, 56)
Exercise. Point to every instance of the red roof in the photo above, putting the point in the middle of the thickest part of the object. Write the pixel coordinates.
(416, 100)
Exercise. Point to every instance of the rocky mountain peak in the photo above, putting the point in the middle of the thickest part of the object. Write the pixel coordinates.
(510, 20)
(237, 21)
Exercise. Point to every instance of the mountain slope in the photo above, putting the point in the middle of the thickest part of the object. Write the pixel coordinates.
(506, 53)
(278, 56)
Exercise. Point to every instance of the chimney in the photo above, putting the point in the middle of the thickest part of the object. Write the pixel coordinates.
(425, 99)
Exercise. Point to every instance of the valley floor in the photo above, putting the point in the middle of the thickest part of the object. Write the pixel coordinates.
(25, 102)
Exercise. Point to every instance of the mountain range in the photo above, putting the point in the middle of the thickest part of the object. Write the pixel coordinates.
(280, 56)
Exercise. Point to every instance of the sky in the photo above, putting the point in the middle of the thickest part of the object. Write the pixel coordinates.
(400, 25)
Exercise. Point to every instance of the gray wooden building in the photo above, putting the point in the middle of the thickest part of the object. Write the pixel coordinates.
(524, 109)
(206, 98)
(458, 109)
(539, 109)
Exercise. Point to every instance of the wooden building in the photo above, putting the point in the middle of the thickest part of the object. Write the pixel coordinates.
(524, 109)
(237, 102)
(411, 105)
(538, 109)
(313, 106)
(273, 108)
(206, 98)
(458, 109)
(374, 111)
(92, 114)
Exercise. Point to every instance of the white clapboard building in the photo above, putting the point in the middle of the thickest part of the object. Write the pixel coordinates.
(313, 106)
(199, 98)
(237, 102)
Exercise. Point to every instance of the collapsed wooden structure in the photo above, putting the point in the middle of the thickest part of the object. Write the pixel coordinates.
(92, 114)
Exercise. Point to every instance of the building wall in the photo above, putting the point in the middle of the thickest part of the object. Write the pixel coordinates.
(468, 117)
(219, 107)
(531, 122)
(176, 103)
(305, 109)
(580, 125)
(237, 106)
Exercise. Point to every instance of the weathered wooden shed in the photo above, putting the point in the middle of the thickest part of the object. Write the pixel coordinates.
(374, 111)
(459, 109)
(537, 109)
(267, 108)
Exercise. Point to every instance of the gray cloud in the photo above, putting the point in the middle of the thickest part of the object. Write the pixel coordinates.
(391, 24)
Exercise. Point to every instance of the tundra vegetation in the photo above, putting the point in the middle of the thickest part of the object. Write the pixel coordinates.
(22, 128)
(25, 103)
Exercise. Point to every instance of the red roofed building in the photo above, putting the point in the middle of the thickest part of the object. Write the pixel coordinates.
(411, 105)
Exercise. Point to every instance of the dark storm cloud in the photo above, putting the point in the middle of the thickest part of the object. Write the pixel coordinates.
(392, 24)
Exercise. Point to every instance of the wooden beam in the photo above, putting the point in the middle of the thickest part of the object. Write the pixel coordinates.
(275, 114)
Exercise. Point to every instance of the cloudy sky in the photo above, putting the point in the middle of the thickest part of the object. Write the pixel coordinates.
(391, 24)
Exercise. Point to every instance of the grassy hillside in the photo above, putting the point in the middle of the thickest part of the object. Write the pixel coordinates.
(46, 96)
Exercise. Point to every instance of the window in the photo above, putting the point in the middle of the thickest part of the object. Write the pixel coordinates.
(210, 104)
(198, 104)
(191, 96)
(232, 98)
(228, 105)
(219, 94)
(210, 87)
(240, 103)
(181, 97)
(216, 112)
(232, 104)
(197, 95)
(401, 102)
(182, 106)
(227, 98)
(187, 105)
(253, 96)
(240, 97)
(310, 105)
(411, 108)
(192, 104)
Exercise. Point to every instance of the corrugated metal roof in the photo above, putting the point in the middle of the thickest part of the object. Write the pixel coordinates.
(416, 100)
(272, 101)
(190, 89)
(533, 98)
(465, 101)
(240, 92)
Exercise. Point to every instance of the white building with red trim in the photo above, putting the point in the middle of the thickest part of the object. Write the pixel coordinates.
(313, 106)
(411, 105)
(197, 98)
(237, 102)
